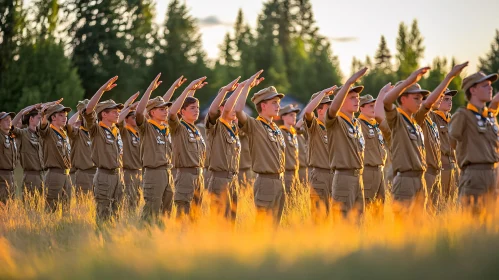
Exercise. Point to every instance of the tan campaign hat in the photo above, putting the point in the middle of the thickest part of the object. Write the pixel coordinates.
(415, 88)
(450, 92)
(3, 115)
(288, 109)
(478, 78)
(366, 99)
(108, 104)
(56, 109)
(324, 100)
(266, 94)
(82, 105)
(157, 102)
(357, 89)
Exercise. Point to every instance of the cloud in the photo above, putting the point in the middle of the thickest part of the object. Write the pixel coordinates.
(343, 39)
(210, 21)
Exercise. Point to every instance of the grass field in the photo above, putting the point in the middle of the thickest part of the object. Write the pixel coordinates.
(451, 245)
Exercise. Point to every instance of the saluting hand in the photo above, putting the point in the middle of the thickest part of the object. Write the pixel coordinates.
(330, 91)
(255, 80)
(457, 69)
(131, 99)
(232, 85)
(179, 82)
(385, 89)
(155, 83)
(356, 77)
(109, 85)
(417, 75)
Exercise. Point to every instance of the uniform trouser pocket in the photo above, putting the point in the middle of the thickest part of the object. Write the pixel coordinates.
(374, 185)
(270, 196)
(320, 192)
(84, 180)
(108, 193)
(59, 189)
(188, 188)
(158, 192)
(33, 182)
(223, 195)
(475, 185)
(348, 194)
(409, 192)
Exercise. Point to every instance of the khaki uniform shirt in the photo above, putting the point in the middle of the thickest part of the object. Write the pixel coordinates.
(245, 158)
(346, 143)
(317, 153)
(131, 147)
(107, 147)
(30, 150)
(56, 147)
(292, 149)
(407, 142)
(476, 136)
(266, 144)
(386, 132)
(448, 154)
(224, 144)
(156, 144)
(302, 148)
(375, 151)
(8, 152)
(81, 149)
(431, 137)
(189, 146)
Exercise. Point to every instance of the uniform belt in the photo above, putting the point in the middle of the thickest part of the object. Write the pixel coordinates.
(369, 167)
(6, 172)
(349, 172)
(134, 170)
(481, 166)
(433, 171)
(32, 172)
(410, 173)
(108, 171)
(59, 170)
(270, 175)
(191, 170)
(162, 167)
(224, 174)
(324, 170)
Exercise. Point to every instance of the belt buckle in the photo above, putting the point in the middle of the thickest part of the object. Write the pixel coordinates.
(356, 172)
(66, 171)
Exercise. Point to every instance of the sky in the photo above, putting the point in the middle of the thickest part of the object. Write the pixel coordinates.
(461, 29)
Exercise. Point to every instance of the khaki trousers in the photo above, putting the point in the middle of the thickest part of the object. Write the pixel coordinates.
(409, 192)
(478, 186)
(291, 180)
(108, 192)
(33, 181)
(321, 183)
(158, 192)
(223, 188)
(7, 186)
(59, 188)
(374, 183)
(303, 174)
(189, 187)
(348, 192)
(133, 181)
(270, 196)
(433, 184)
(246, 177)
(84, 180)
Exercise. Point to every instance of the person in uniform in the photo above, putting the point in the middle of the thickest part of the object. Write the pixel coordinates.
(245, 175)
(321, 177)
(223, 138)
(291, 164)
(346, 148)
(374, 154)
(302, 155)
(189, 149)
(407, 143)
(450, 172)
(473, 131)
(100, 121)
(8, 150)
(267, 149)
(424, 117)
(56, 150)
(82, 165)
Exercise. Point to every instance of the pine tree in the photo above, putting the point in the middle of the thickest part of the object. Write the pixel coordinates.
(410, 49)
(490, 63)
(382, 58)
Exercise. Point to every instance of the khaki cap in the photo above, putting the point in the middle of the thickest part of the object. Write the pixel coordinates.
(357, 89)
(288, 109)
(157, 102)
(56, 109)
(82, 105)
(366, 99)
(266, 94)
(415, 88)
(324, 100)
(108, 104)
(450, 92)
(478, 78)
(3, 115)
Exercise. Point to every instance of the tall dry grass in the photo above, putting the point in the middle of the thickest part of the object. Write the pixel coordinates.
(452, 244)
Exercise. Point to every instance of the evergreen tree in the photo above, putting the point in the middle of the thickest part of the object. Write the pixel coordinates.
(490, 63)
(382, 58)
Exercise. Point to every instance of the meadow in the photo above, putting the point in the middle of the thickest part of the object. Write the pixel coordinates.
(453, 244)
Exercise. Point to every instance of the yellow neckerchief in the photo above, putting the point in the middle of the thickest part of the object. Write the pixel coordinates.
(193, 127)
(443, 115)
(61, 132)
(113, 129)
(232, 128)
(271, 125)
(366, 119)
(132, 130)
(160, 126)
(485, 112)
(291, 130)
(83, 128)
(411, 119)
(321, 124)
(345, 117)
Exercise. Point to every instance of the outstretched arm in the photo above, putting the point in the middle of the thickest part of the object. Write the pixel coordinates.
(342, 94)
(196, 84)
(395, 92)
(97, 96)
(141, 107)
(168, 95)
(253, 81)
(217, 102)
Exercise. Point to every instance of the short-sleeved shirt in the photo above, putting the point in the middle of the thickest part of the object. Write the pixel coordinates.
(386, 132)
(30, 150)
(302, 148)
(202, 129)
(317, 153)
(245, 158)
(188, 143)
(375, 151)
(81, 148)
(156, 144)
(346, 142)
(107, 146)
(131, 146)
(476, 136)
(266, 144)
(431, 137)
(56, 147)
(292, 161)
(407, 142)
(442, 120)
(224, 144)
(8, 151)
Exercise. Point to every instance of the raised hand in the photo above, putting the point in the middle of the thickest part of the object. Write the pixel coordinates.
(385, 89)
(457, 69)
(196, 84)
(255, 79)
(155, 83)
(232, 85)
(179, 82)
(109, 85)
(131, 99)
(356, 77)
(330, 91)
(417, 75)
